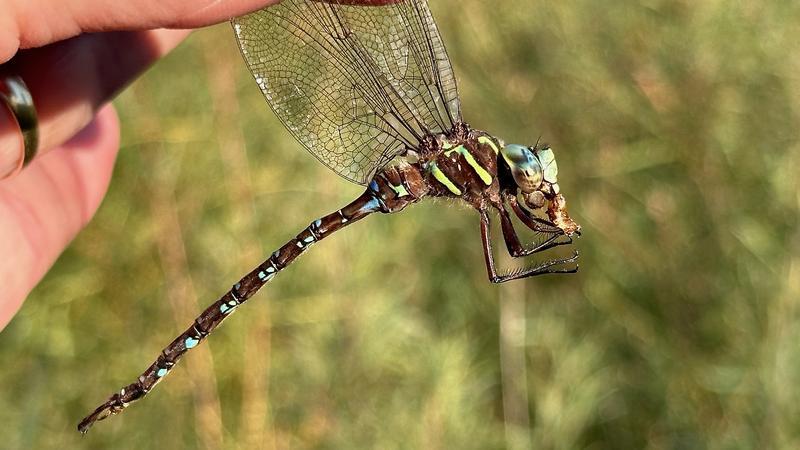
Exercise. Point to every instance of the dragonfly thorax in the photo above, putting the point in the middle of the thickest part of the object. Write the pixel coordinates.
(462, 163)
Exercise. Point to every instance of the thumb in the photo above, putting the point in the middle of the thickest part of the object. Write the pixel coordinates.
(43, 208)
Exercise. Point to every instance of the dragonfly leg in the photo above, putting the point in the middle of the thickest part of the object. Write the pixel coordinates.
(486, 239)
(534, 223)
(547, 267)
(511, 238)
(515, 247)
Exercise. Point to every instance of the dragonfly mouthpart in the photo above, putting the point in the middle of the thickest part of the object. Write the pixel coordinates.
(557, 212)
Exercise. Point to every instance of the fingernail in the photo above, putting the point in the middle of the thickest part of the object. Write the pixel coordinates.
(10, 144)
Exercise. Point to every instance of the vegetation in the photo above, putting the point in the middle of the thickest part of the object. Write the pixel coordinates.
(675, 125)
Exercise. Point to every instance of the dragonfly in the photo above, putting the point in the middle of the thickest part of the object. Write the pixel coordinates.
(366, 86)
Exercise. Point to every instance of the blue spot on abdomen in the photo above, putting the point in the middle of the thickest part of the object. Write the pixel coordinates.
(191, 342)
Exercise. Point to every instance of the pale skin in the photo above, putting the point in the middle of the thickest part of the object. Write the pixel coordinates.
(72, 77)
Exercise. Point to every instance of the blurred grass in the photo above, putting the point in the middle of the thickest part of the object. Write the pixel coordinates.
(676, 128)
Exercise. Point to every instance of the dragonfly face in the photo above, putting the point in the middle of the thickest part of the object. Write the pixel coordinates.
(534, 176)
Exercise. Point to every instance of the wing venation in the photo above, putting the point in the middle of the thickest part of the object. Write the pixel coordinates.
(355, 84)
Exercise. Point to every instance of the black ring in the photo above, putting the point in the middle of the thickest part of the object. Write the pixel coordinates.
(18, 99)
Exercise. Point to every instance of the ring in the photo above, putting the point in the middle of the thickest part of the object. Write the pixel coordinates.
(19, 101)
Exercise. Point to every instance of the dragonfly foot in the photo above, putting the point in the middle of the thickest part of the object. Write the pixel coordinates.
(547, 267)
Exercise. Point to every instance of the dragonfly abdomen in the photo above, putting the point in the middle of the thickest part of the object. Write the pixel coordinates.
(391, 190)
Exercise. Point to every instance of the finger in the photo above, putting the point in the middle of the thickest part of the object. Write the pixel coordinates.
(27, 24)
(43, 209)
(69, 80)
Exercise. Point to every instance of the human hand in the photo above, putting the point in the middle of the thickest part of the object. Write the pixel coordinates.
(74, 56)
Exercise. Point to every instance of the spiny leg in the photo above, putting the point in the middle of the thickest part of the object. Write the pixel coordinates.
(515, 247)
(531, 221)
(534, 223)
(540, 269)
(486, 239)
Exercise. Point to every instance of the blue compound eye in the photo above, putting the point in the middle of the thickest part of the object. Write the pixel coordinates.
(525, 167)
(549, 166)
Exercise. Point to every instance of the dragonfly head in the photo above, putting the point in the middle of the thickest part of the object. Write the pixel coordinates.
(535, 178)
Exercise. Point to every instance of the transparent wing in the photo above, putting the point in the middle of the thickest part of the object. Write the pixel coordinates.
(356, 84)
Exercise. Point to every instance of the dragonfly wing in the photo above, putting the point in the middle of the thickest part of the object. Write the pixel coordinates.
(356, 84)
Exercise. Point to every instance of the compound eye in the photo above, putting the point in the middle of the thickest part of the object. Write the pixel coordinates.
(548, 161)
(525, 167)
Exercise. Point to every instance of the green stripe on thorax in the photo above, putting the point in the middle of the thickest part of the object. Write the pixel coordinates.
(442, 178)
(488, 141)
(476, 166)
(400, 190)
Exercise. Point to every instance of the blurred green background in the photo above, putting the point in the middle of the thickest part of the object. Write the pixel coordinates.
(676, 129)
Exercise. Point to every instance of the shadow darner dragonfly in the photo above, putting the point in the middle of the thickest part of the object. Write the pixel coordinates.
(367, 87)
